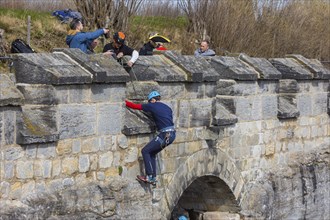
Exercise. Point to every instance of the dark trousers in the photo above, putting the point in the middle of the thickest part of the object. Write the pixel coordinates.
(150, 151)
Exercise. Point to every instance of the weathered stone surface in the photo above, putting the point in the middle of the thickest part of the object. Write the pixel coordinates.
(139, 90)
(103, 68)
(265, 69)
(287, 86)
(290, 69)
(198, 69)
(157, 68)
(9, 94)
(313, 65)
(224, 112)
(233, 88)
(76, 121)
(37, 124)
(38, 94)
(49, 69)
(287, 107)
(233, 68)
(137, 122)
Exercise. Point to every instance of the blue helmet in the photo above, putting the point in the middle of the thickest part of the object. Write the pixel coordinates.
(153, 94)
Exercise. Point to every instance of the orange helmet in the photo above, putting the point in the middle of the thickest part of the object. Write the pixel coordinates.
(119, 37)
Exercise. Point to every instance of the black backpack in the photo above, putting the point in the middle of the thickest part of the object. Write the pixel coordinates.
(19, 46)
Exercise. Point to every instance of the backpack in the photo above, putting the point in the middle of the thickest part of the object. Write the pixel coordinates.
(19, 46)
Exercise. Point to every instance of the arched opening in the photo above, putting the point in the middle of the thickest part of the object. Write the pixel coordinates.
(207, 196)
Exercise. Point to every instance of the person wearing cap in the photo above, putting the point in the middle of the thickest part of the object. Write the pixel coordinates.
(163, 117)
(82, 40)
(117, 49)
(204, 50)
(155, 42)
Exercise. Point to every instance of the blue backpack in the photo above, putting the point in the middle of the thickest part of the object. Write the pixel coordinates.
(66, 15)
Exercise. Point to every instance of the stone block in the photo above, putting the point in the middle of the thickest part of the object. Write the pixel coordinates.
(200, 111)
(90, 145)
(287, 107)
(9, 94)
(9, 120)
(37, 124)
(24, 169)
(78, 93)
(194, 91)
(56, 167)
(264, 68)
(38, 94)
(224, 112)
(232, 88)
(137, 122)
(105, 160)
(9, 169)
(184, 113)
(304, 104)
(13, 153)
(320, 103)
(46, 151)
(76, 121)
(269, 106)
(45, 68)
(109, 119)
(287, 86)
(64, 147)
(108, 92)
(157, 68)
(69, 165)
(131, 155)
(31, 151)
(42, 168)
(313, 65)
(198, 69)
(76, 146)
(248, 108)
(290, 69)
(233, 68)
(83, 163)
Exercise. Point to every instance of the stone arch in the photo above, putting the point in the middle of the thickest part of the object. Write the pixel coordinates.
(218, 164)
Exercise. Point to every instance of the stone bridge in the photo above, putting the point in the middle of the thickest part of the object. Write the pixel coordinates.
(253, 138)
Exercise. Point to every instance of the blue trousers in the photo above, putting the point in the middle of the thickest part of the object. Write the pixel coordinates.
(156, 145)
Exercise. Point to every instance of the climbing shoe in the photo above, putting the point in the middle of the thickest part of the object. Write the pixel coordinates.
(147, 179)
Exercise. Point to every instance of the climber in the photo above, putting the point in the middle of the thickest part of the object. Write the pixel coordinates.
(155, 41)
(163, 117)
(117, 49)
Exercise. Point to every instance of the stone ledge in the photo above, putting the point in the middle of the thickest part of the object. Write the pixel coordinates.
(313, 65)
(224, 111)
(45, 68)
(198, 69)
(103, 68)
(157, 68)
(9, 94)
(265, 69)
(233, 68)
(290, 69)
(137, 122)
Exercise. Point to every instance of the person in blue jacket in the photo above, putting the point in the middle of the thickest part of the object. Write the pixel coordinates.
(163, 117)
(78, 39)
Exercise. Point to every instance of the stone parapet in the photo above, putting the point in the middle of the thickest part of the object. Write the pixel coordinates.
(246, 124)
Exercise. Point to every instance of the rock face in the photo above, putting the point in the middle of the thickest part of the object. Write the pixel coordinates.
(252, 138)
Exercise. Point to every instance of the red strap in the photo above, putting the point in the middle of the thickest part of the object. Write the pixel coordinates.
(133, 105)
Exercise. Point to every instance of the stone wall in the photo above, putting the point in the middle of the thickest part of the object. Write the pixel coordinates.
(70, 149)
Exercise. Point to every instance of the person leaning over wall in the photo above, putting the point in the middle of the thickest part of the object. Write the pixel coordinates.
(82, 40)
(117, 49)
(204, 50)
